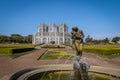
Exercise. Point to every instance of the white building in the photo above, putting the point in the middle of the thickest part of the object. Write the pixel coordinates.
(52, 33)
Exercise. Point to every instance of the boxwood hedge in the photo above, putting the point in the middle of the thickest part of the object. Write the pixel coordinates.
(12, 49)
(103, 51)
(8, 51)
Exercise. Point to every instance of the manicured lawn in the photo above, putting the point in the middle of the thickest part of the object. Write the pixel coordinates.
(107, 50)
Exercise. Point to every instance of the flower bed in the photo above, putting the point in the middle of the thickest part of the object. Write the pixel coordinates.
(55, 54)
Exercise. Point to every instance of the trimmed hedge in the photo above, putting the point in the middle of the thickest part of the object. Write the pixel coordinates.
(109, 51)
(53, 46)
(8, 51)
(5, 51)
(103, 51)
(19, 50)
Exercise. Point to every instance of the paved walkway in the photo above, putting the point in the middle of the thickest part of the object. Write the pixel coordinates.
(9, 66)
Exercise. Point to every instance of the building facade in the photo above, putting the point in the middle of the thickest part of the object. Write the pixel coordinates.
(52, 33)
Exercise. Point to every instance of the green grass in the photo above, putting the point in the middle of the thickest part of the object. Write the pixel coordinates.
(5, 51)
(16, 45)
(55, 54)
(108, 46)
(53, 46)
(109, 51)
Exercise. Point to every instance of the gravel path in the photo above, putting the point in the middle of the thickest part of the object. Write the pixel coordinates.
(9, 66)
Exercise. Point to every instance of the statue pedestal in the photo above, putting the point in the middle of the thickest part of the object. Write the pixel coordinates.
(80, 69)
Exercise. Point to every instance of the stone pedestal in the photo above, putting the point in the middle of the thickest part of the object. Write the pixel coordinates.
(80, 69)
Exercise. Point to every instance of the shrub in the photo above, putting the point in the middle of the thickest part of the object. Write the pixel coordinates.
(8, 49)
(53, 46)
(103, 51)
(19, 50)
(5, 51)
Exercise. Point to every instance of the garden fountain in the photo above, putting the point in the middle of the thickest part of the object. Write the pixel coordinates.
(77, 70)
(62, 72)
(80, 68)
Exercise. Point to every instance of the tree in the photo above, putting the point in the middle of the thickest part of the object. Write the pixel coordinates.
(28, 39)
(4, 39)
(88, 39)
(115, 39)
(16, 38)
(106, 40)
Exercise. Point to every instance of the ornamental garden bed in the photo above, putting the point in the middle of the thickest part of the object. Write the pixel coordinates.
(56, 54)
(53, 46)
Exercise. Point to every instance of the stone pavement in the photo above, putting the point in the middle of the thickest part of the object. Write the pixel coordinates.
(9, 66)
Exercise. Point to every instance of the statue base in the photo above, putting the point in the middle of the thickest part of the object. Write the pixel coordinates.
(80, 69)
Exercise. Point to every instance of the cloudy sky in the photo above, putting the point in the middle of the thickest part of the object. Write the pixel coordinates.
(97, 18)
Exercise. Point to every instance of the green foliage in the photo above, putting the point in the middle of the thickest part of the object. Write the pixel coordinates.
(5, 51)
(53, 46)
(16, 45)
(116, 39)
(109, 51)
(103, 51)
(88, 39)
(15, 38)
(55, 54)
(19, 50)
(21, 54)
(8, 49)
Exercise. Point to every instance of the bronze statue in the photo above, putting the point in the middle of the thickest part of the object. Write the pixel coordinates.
(80, 67)
(77, 37)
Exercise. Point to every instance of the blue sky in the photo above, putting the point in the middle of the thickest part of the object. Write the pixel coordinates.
(97, 18)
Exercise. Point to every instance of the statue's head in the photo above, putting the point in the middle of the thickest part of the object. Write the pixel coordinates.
(74, 28)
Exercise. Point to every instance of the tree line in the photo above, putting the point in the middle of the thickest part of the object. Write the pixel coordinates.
(16, 38)
(90, 40)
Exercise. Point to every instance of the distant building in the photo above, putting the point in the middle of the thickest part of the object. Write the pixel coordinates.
(52, 33)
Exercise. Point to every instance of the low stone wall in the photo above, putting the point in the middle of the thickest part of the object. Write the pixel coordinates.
(29, 74)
